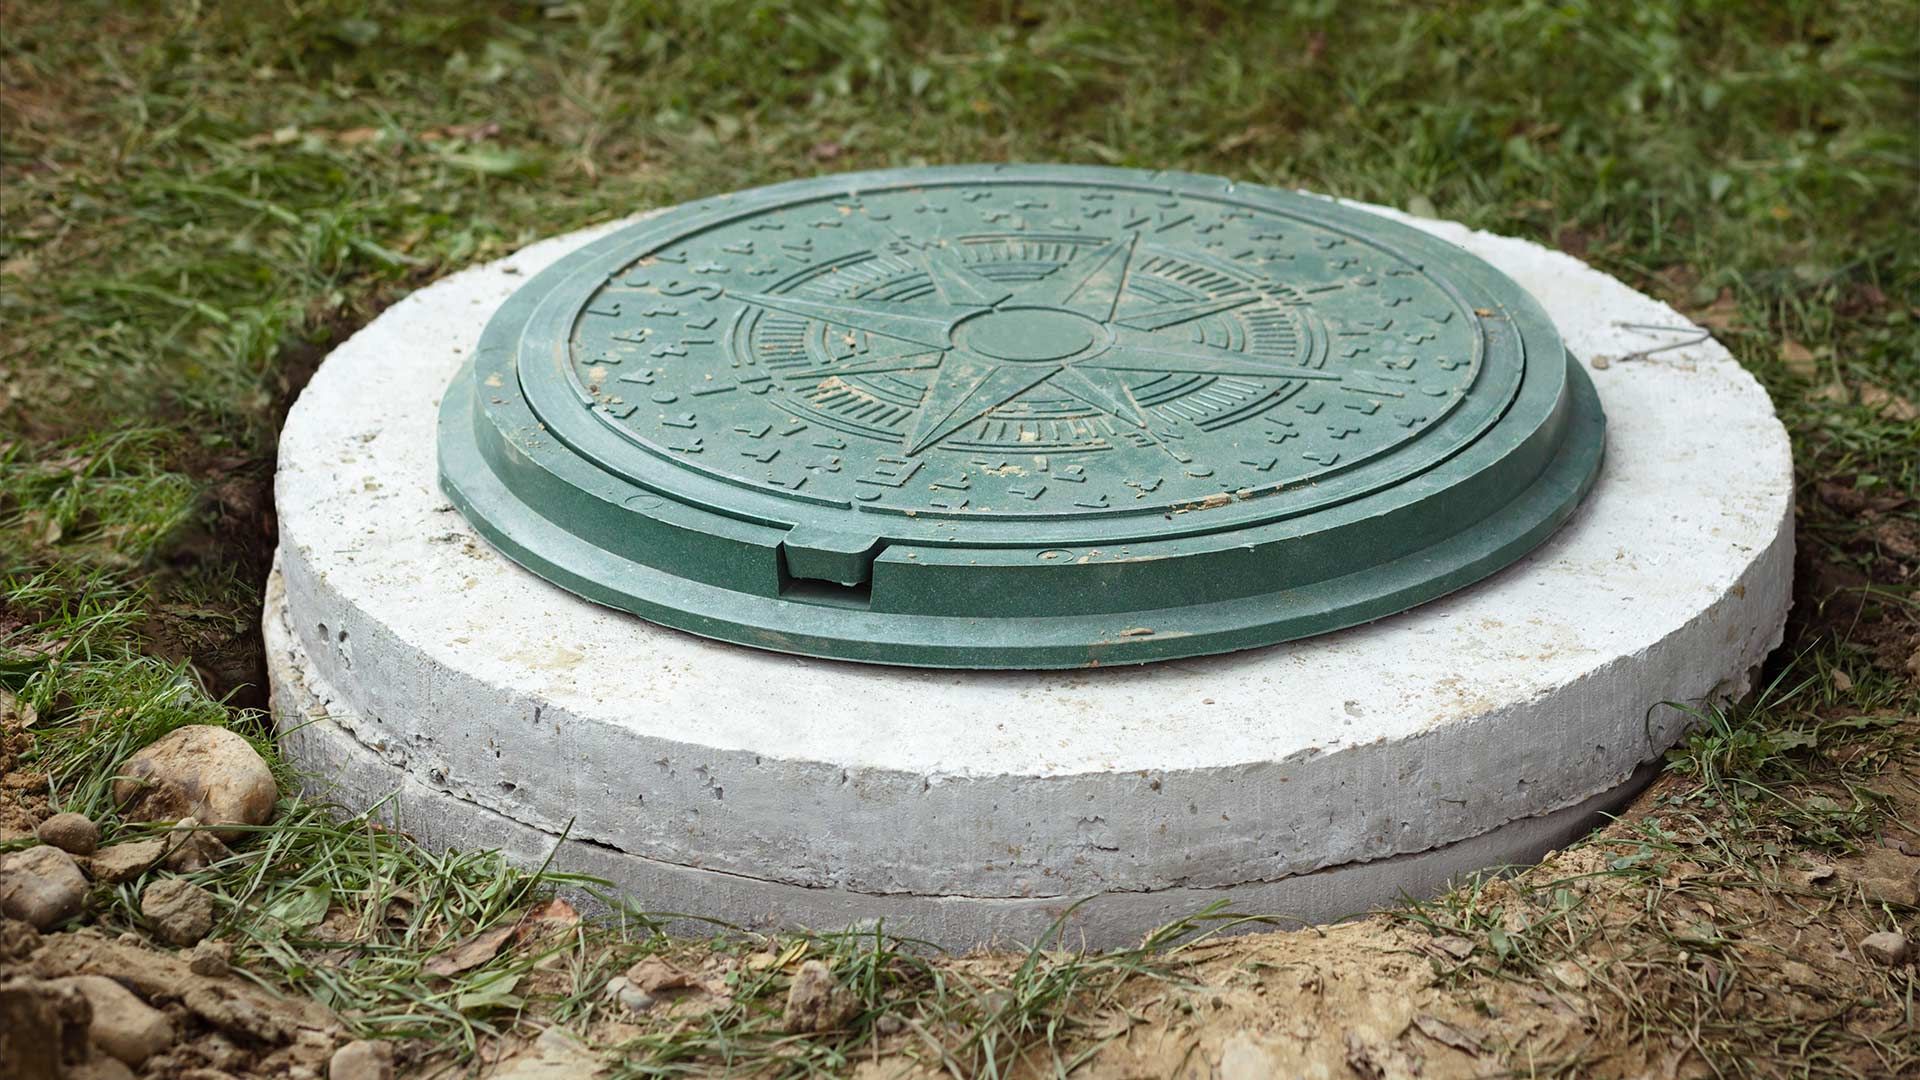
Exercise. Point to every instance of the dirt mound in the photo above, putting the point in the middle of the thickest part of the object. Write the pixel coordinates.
(224, 1024)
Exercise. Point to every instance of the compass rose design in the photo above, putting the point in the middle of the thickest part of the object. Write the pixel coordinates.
(1018, 417)
(986, 343)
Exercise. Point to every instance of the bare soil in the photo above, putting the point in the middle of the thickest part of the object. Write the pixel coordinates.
(23, 790)
(229, 1026)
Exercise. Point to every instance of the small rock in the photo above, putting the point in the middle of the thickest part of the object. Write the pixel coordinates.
(123, 1025)
(41, 886)
(190, 847)
(181, 912)
(654, 982)
(361, 1060)
(212, 959)
(1886, 947)
(116, 864)
(628, 995)
(889, 1025)
(18, 939)
(656, 976)
(816, 1001)
(199, 771)
(75, 834)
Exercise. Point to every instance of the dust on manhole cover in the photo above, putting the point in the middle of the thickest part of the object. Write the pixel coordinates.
(1019, 416)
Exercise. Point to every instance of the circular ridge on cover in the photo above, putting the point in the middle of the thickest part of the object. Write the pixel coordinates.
(1017, 417)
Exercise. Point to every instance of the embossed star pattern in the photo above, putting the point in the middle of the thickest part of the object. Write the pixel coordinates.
(987, 343)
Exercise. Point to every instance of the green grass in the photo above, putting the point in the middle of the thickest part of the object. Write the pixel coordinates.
(1754, 766)
(197, 200)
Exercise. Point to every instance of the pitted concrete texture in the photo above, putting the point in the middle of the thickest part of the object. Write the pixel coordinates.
(312, 714)
(1322, 775)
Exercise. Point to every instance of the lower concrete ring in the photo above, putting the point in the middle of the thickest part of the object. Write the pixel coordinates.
(1314, 778)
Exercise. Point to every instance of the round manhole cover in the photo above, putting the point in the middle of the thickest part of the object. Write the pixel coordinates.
(1020, 417)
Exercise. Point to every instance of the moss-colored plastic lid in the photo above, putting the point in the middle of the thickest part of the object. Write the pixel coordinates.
(1017, 417)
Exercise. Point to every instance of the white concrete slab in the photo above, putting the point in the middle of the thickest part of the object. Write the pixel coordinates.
(1468, 728)
(689, 899)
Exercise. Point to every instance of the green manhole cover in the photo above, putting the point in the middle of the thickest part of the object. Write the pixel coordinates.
(1020, 417)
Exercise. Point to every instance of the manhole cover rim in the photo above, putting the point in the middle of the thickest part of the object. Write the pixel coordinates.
(1521, 437)
(1096, 640)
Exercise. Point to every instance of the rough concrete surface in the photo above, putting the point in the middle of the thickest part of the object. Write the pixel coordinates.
(1478, 729)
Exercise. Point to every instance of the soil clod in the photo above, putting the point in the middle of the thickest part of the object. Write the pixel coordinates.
(212, 959)
(181, 912)
(75, 834)
(41, 886)
(18, 939)
(1887, 947)
(43, 1027)
(361, 1060)
(122, 1025)
(116, 864)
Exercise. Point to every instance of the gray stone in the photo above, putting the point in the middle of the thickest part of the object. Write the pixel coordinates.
(75, 834)
(198, 771)
(181, 912)
(41, 886)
